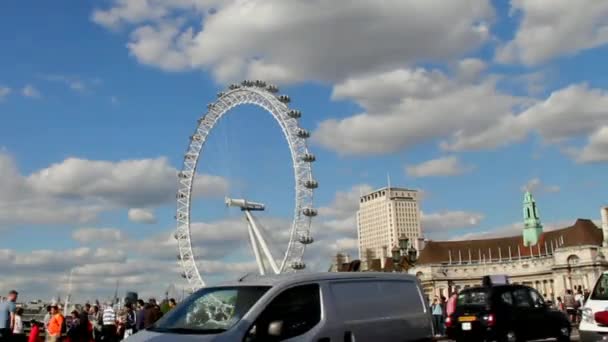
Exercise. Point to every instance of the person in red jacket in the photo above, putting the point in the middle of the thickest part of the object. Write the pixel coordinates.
(34, 332)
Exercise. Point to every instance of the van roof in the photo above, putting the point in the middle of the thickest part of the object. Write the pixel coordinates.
(293, 278)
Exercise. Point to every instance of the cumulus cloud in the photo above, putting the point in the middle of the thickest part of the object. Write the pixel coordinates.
(284, 40)
(405, 107)
(596, 149)
(30, 91)
(140, 215)
(536, 185)
(4, 92)
(97, 235)
(551, 28)
(567, 113)
(444, 166)
(77, 190)
(443, 221)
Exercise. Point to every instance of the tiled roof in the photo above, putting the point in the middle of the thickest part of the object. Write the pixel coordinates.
(583, 232)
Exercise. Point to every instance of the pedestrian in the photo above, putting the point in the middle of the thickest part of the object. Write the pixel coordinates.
(74, 330)
(560, 304)
(152, 313)
(451, 306)
(130, 321)
(18, 333)
(7, 316)
(97, 321)
(140, 314)
(34, 331)
(172, 303)
(570, 305)
(437, 312)
(108, 330)
(56, 324)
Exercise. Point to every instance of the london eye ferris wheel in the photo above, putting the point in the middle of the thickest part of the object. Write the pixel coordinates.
(266, 96)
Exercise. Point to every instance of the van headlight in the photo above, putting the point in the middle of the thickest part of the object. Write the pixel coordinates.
(587, 314)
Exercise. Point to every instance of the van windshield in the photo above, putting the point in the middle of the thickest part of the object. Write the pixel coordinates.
(600, 292)
(210, 310)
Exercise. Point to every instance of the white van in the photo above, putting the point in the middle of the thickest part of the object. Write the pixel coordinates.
(589, 329)
(320, 307)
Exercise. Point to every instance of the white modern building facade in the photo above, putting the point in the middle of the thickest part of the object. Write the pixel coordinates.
(384, 215)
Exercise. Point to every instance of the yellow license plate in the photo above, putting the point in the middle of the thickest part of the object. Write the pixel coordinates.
(467, 319)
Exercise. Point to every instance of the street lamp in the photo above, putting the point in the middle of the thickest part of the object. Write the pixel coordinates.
(405, 249)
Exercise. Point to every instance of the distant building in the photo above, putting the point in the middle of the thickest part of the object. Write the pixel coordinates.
(550, 261)
(384, 215)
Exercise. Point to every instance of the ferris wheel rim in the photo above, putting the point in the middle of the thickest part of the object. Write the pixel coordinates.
(255, 93)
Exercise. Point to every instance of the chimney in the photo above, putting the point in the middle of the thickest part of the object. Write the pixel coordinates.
(605, 225)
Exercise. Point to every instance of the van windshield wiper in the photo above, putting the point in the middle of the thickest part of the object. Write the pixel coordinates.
(187, 331)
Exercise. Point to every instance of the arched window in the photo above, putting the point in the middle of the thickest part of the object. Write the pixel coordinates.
(573, 260)
(528, 211)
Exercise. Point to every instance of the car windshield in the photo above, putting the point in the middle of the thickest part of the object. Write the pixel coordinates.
(472, 298)
(210, 310)
(600, 292)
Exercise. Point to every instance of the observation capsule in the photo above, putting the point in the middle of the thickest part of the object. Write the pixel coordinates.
(234, 86)
(310, 212)
(211, 106)
(272, 88)
(196, 137)
(302, 133)
(306, 239)
(298, 265)
(220, 94)
(311, 184)
(308, 157)
(294, 113)
(284, 98)
(260, 83)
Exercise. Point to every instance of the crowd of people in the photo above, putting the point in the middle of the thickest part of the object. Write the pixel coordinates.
(91, 323)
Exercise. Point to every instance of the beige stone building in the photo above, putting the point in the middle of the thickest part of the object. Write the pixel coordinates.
(384, 215)
(562, 259)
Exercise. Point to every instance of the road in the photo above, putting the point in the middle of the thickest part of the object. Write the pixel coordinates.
(575, 337)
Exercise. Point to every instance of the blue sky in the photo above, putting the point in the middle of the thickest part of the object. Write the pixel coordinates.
(469, 105)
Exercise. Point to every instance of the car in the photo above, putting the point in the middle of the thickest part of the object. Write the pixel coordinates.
(505, 312)
(320, 307)
(593, 325)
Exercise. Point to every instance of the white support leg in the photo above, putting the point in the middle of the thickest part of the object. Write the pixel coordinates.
(260, 239)
(256, 250)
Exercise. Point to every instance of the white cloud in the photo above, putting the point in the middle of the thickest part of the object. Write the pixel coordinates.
(443, 221)
(406, 107)
(140, 215)
(30, 91)
(130, 183)
(284, 40)
(469, 69)
(4, 92)
(75, 83)
(513, 229)
(536, 185)
(596, 149)
(97, 235)
(77, 190)
(345, 204)
(444, 166)
(551, 28)
(567, 113)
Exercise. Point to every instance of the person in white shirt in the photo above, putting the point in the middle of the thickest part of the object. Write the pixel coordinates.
(18, 334)
(108, 330)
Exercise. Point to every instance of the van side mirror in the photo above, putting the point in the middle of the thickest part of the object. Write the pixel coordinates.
(275, 328)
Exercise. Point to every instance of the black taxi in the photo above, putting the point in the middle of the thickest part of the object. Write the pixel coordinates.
(505, 313)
